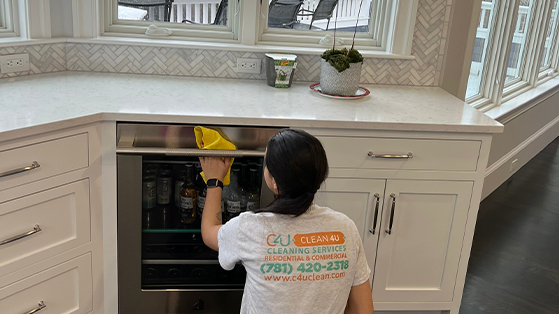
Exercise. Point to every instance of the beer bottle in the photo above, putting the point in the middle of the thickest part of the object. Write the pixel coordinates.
(253, 201)
(188, 197)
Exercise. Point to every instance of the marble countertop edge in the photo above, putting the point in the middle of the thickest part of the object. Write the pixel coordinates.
(48, 102)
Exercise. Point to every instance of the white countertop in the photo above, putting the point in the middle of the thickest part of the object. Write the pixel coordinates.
(32, 104)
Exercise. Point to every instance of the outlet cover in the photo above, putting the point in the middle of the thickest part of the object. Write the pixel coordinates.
(246, 65)
(14, 63)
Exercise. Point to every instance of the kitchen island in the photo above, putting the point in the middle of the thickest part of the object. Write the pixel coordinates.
(69, 120)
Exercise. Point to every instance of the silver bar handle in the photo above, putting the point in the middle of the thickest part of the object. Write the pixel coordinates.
(389, 156)
(42, 305)
(21, 236)
(20, 170)
(191, 152)
(373, 227)
(389, 230)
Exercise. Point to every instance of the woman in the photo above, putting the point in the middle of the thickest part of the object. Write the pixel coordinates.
(299, 257)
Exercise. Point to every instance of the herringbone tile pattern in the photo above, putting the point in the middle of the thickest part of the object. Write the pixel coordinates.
(428, 48)
(42, 58)
(155, 60)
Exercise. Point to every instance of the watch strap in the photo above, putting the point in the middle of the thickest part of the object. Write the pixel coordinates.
(213, 183)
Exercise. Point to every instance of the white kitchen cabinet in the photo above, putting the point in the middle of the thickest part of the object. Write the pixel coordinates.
(429, 185)
(51, 156)
(361, 200)
(59, 217)
(51, 247)
(65, 288)
(418, 260)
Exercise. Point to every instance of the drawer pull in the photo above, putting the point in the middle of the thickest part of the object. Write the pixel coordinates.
(389, 230)
(372, 229)
(394, 156)
(21, 236)
(41, 306)
(20, 170)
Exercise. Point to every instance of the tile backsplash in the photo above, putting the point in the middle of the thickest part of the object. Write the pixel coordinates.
(42, 58)
(428, 48)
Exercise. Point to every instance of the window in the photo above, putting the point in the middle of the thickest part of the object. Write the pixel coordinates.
(550, 38)
(484, 31)
(519, 41)
(381, 25)
(515, 42)
(309, 21)
(8, 19)
(202, 20)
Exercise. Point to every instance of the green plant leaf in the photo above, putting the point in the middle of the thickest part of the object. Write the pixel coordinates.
(341, 58)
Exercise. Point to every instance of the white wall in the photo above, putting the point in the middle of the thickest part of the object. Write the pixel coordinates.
(523, 138)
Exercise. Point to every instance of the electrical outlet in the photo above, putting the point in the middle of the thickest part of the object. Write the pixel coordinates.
(245, 65)
(14, 63)
(513, 165)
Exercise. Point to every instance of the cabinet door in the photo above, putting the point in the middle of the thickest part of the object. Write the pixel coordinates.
(418, 260)
(361, 200)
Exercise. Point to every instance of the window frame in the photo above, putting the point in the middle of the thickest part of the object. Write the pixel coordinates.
(245, 33)
(190, 32)
(9, 20)
(485, 93)
(494, 90)
(308, 38)
(548, 72)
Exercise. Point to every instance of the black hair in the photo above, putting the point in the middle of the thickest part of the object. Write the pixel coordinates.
(297, 162)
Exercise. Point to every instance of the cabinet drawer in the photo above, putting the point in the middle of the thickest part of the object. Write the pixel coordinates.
(64, 289)
(54, 157)
(63, 216)
(444, 155)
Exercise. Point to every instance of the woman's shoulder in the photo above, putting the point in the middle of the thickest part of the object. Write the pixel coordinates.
(327, 213)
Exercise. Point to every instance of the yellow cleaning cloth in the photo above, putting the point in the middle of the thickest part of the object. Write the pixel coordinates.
(207, 138)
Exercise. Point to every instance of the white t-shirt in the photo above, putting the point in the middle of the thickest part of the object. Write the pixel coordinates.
(305, 264)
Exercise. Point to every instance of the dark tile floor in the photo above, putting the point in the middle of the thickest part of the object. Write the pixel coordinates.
(514, 263)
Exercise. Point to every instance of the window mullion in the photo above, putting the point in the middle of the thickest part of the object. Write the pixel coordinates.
(3, 14)
(536, 41)
(499, 53)
(554, 64)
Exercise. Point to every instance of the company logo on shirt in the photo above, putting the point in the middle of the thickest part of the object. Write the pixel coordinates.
(305, 257)
(309, 239)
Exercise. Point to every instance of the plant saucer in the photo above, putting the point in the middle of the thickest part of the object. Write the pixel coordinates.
(361, 92)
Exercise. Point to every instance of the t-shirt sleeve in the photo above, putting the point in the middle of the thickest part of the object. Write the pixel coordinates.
(362, 272)
(228, 242)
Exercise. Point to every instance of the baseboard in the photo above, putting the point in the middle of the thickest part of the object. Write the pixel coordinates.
(499, 172)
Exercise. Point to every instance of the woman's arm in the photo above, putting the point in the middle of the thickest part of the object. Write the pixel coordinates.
(360, 300)
(214, 168)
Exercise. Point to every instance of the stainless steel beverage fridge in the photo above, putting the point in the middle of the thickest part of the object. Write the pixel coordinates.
(163, 265)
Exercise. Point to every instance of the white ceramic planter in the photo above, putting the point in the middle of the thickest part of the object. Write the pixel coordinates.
(343, 83)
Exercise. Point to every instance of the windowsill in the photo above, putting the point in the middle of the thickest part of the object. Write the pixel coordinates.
(524, 102)
(109, 40)
(18, 41)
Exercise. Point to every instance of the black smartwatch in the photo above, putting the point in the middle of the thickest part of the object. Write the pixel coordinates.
(213, 183)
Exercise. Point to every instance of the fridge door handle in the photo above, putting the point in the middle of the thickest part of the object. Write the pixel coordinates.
(191, 152)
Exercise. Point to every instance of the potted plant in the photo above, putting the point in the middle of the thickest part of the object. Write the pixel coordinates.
(340, 69)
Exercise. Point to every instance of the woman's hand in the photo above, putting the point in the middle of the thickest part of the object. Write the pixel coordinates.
(215, 167)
